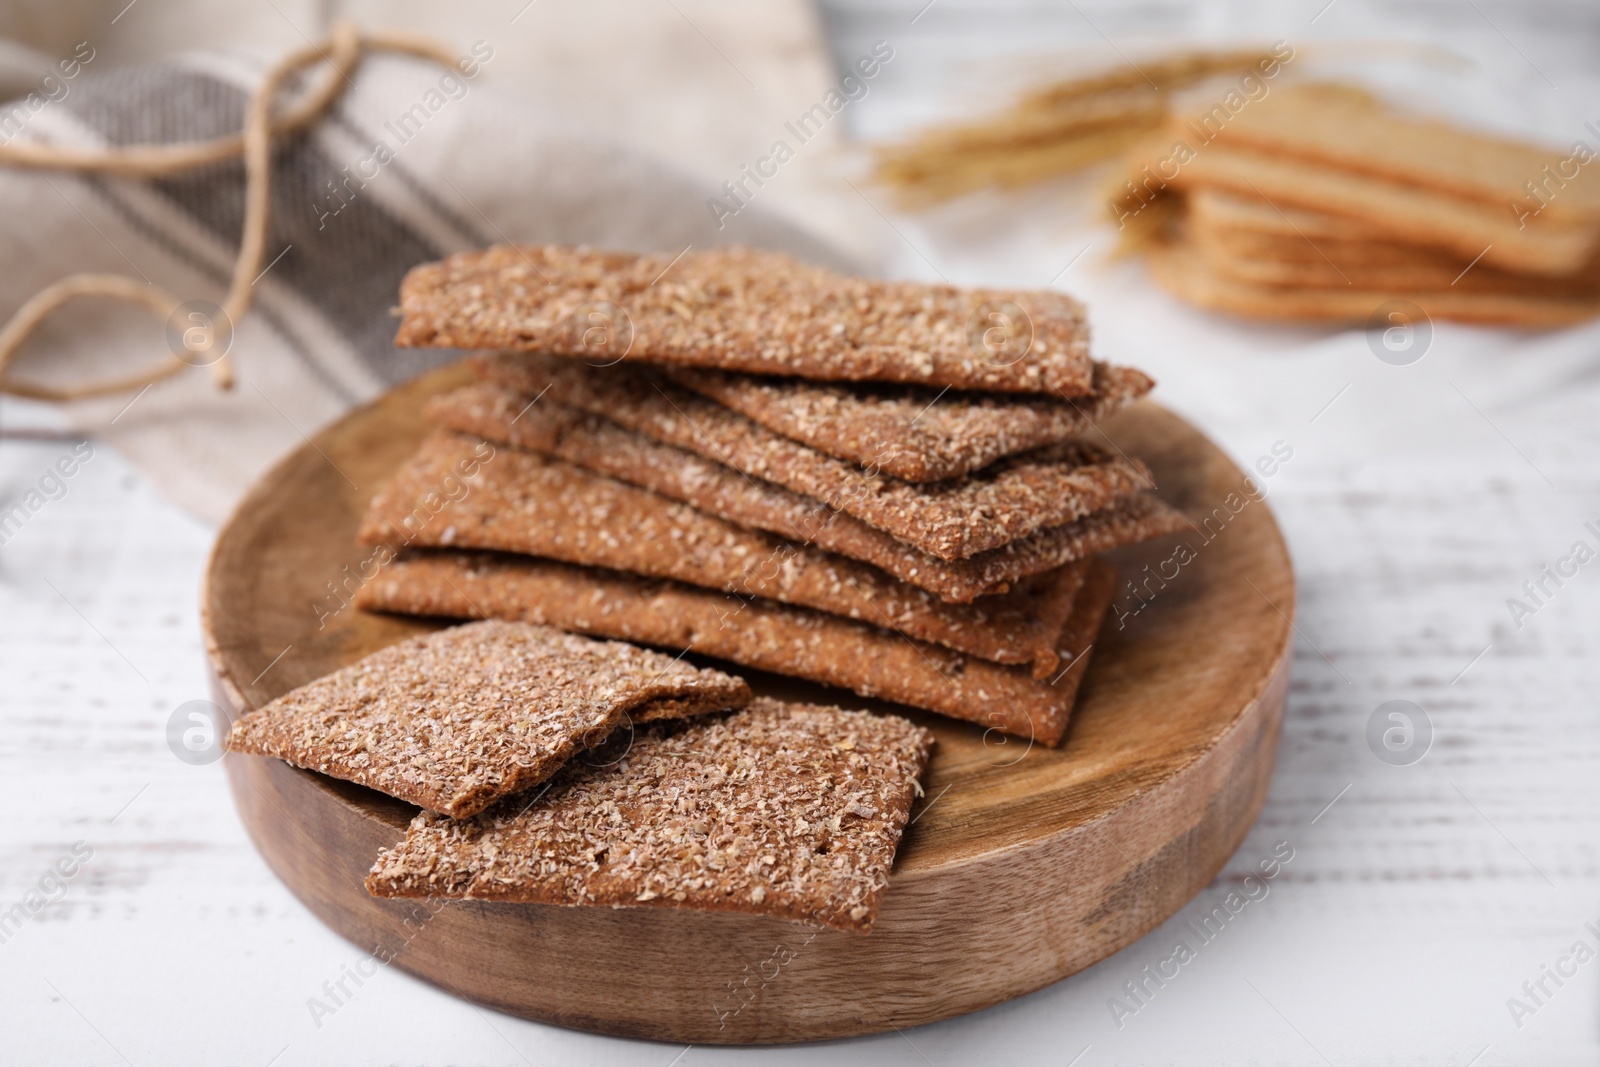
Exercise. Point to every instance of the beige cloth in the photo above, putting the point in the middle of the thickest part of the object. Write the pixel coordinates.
(605, 123)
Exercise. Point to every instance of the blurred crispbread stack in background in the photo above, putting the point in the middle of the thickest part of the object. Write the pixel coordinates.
(1320, 203)
(1259, 193)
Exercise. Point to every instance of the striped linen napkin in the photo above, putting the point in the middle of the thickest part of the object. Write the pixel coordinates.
(412, 163)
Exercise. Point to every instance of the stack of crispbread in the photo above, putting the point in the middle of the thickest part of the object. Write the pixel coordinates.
(884, 487)
(1319, 203)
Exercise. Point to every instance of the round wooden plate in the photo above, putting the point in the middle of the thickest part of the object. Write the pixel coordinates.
(1023, 865)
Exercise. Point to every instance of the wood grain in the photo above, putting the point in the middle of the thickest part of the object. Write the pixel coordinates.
(1024, 865)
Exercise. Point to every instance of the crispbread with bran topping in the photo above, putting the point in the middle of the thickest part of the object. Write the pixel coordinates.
(506, 416)
(953, 519)
(527, 503)
(743, 309)
(912, 432)
(761, 634)
(455, 720)
(787, 810)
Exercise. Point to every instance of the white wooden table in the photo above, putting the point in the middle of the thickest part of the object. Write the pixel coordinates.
(1420, 897)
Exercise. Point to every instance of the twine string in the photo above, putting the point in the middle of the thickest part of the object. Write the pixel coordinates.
(341, 54)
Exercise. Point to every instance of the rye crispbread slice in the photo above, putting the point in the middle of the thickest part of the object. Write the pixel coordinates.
(911, 432)
(507, 416)
(1347, 252)
(1376, 270)
(1218, 209)
(455, 720)
(524, 502)
(1357, 133)
(746, 309)
(1182, 270)
(788, 810)
(1407, 214)
(1253, 242)
(763, 634)
(954, 519)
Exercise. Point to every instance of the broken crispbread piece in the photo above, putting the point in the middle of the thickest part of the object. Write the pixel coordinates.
(911, 432)
(749, 310)
(951, 520)
(504, 415)
(780, 638)
(528, 503)
(788, 810)
(455, 720)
